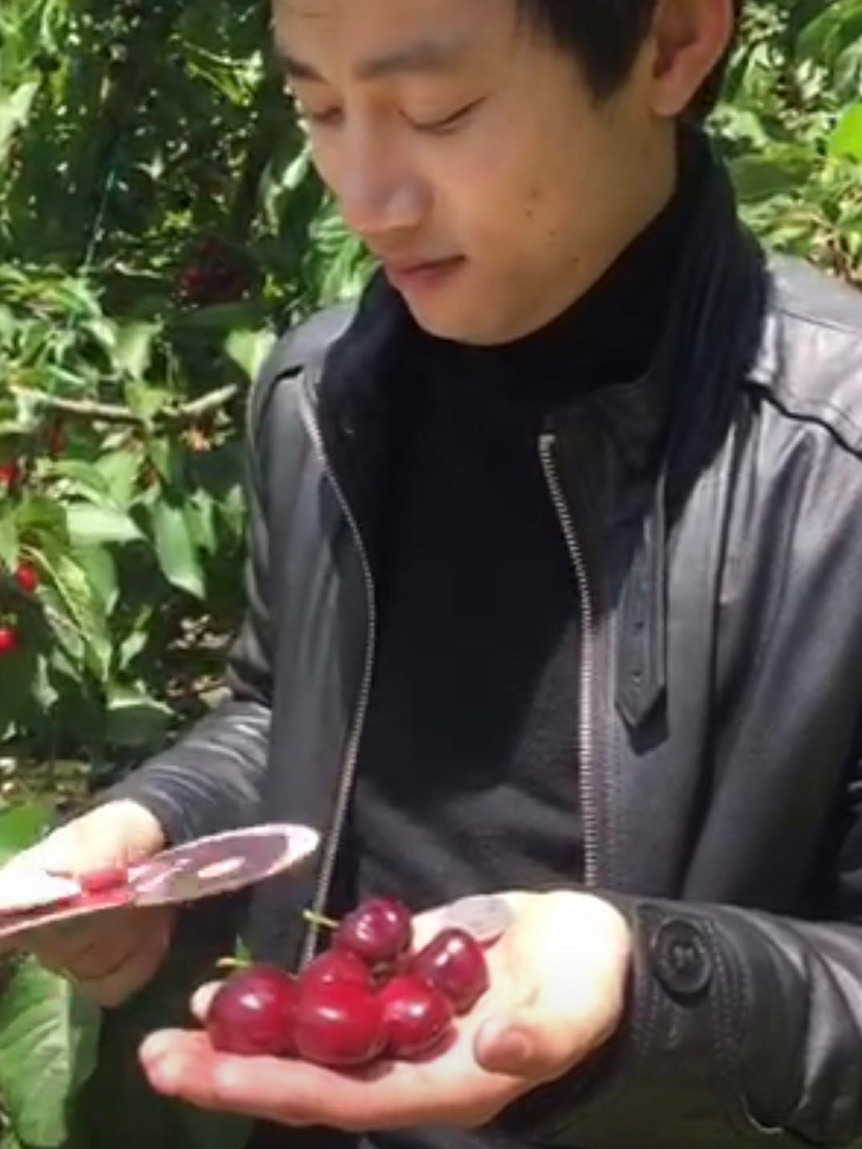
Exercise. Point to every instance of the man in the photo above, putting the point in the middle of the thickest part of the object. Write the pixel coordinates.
(554, 590)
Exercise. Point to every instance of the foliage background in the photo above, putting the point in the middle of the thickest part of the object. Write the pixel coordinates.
(159, 221)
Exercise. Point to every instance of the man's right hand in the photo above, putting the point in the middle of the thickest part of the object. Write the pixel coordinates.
(111, 955)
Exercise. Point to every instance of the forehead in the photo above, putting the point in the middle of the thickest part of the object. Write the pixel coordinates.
(355, 30)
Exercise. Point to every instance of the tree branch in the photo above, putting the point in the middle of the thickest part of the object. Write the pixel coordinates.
(92, 411)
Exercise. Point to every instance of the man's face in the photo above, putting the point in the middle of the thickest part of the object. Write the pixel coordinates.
(469, 155)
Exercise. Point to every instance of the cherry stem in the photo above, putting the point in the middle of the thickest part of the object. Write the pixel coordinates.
(319, 920)
(232, 963)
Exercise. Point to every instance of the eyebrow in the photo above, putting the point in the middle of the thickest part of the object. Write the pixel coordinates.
(424, 56)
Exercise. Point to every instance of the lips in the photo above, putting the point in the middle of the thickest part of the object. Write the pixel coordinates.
(413, 275)
(417, 266)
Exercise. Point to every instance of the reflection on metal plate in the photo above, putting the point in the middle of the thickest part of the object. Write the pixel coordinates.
(485, 916)
(222, 863)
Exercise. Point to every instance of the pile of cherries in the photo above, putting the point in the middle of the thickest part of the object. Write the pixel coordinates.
(368, 996)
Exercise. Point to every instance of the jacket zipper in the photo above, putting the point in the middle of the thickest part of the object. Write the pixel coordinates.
(351, 755)
(586, 716)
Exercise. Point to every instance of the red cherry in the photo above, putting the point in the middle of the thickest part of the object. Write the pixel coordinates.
(27, 578)
(336, 966)
(339, 1024)
(10, 473)
(416, 1016)
(379, 931)
(455, 964)
(9, 640)
(252, 1013)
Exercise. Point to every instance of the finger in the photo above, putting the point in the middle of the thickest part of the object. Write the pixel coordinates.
(184, 1064)
(60, 938)
(202, 999)
(388, 1096)
(112, 989)
(90, 963)
(78, 941)
(575, 950)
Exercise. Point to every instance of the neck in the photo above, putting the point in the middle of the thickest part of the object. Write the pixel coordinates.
(651, 190)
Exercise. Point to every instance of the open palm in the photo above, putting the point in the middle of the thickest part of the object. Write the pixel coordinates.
(556, 992)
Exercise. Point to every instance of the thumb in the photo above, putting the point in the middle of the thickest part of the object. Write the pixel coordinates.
(540, 1041)
(202, 999)
(524, 1043)
(117, 833)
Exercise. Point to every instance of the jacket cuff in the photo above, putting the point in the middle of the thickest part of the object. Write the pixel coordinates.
(673, 1063)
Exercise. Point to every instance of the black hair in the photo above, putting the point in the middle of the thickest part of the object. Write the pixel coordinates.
(606, 35)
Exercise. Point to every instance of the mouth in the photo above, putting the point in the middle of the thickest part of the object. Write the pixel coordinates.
(420, 275)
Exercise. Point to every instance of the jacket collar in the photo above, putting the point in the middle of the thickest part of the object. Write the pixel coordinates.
(677, 413)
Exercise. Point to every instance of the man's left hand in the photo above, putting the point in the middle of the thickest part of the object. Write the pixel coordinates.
(557, 991)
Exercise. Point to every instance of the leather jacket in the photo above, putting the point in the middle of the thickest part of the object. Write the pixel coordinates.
(713, 517)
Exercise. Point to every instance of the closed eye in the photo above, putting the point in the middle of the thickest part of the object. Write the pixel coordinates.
(332, 116)
(322, 119)
(448, 123)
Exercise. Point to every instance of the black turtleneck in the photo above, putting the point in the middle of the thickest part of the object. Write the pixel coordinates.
(468, 774)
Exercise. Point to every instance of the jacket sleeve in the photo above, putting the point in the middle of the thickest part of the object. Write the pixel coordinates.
(742, 1028)
(210, 780)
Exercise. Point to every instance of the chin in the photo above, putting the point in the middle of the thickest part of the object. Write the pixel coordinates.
(458, 325)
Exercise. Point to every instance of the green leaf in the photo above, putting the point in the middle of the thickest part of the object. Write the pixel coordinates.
(835, 28)
(48, 1042)
(17, 674)
(101, 570)
(42, 689)
(135, 719)
(92, 525)
(84, 610)
(104, 331)
(249, 349)
(69, 649)
(21, 827)
(200, 519)
(131, 647)
(134, 348)
(225, 316)
(144, 400)
(760, 177)
(42, 523)
(120, 470)
(175, 549)
(118, 1109)
(846, 140)
(86, 478)
(8, 1140)
(8, 541)
(14, 110)
(167, 458)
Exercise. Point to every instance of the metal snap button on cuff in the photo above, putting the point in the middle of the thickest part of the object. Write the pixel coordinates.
(681, 960)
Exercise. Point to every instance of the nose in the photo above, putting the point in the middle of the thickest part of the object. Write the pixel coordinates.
(377, 190)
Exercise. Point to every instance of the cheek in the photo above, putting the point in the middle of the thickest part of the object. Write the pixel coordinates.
(494, 195)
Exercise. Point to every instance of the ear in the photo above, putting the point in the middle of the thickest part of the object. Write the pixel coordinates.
(688, 40)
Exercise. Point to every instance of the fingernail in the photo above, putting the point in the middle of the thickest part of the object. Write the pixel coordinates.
(154, 1046)
(202, 999)
(164, 1075)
